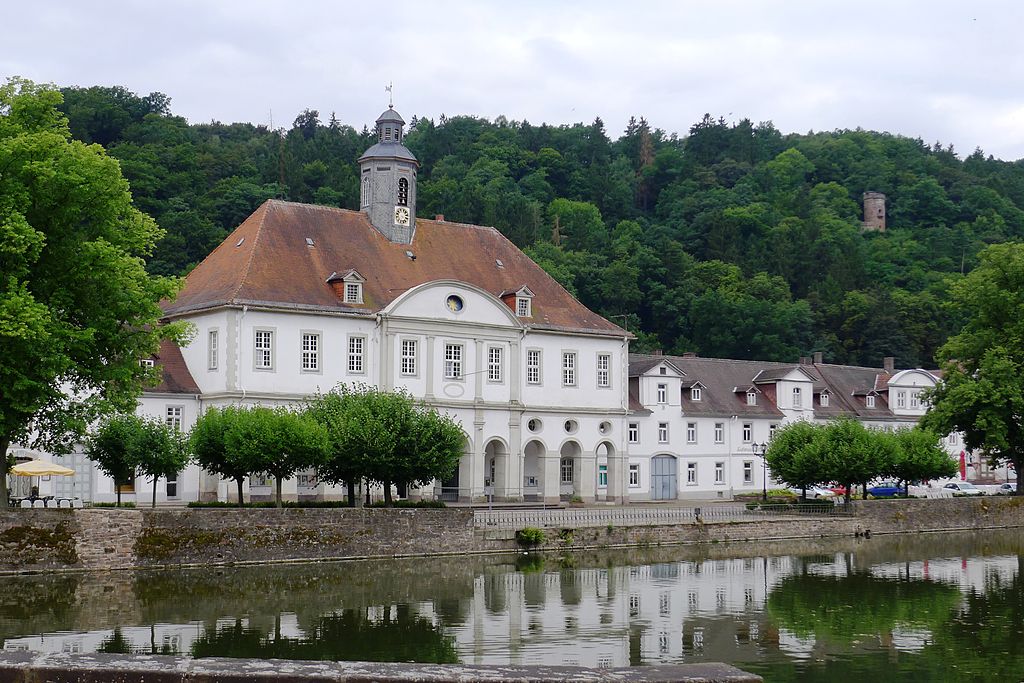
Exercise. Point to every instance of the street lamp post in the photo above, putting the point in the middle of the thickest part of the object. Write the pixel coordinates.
(759, 449)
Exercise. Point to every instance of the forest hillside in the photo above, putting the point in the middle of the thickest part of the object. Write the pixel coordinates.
(731, 240)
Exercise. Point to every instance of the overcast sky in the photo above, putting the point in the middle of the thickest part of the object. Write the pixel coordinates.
(938, 70)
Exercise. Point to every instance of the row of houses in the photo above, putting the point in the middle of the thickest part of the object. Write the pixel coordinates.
(300, 298)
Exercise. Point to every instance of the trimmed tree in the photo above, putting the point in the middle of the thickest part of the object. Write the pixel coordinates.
(981, 394)
(794, 455)
(159, 450)
(854, 454)
(110, 446)
(920, 456)
(211, 443)
(344, 462)
(385, 437)
(77, 307)
(277, 442)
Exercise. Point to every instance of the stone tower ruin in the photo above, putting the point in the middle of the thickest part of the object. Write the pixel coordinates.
(874, 212)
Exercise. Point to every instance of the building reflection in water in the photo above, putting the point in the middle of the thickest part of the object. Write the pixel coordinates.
(597, 611)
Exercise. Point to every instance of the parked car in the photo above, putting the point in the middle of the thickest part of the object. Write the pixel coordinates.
(887, 489)
(1007, 489)
(964, 488)
(813, 492)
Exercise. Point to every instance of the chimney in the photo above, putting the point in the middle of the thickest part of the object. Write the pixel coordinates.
(439, 218)
(805, 360)
(690, 354)
(656, 352)
(889, 363)
(818, 358)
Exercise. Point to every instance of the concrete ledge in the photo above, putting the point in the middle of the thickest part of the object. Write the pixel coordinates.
(26, 667)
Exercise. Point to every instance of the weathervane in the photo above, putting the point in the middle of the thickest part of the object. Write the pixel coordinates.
(391, 104)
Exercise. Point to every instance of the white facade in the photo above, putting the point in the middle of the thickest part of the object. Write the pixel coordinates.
(681, 448)
(554, 433)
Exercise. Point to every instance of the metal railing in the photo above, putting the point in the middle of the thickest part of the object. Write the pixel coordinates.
(635, 515)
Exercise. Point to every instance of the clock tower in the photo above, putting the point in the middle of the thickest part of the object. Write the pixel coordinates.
(387, 181)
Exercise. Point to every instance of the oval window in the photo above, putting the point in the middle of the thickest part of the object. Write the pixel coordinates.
(454, 303)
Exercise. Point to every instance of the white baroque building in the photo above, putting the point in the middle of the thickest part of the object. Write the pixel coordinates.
(299, 299)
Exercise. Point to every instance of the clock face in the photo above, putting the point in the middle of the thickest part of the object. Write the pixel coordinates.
(401, 215)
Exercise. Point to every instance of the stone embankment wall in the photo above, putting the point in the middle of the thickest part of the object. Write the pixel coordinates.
(23, 667)
(48, 540)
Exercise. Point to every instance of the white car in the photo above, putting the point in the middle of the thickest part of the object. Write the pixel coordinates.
(964, 488)
(813, 492)
(1006, 489)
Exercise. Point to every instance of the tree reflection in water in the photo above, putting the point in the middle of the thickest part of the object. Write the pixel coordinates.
(855, 620)
(343, 636)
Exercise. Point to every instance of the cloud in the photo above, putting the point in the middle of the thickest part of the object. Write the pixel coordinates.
(953, 72)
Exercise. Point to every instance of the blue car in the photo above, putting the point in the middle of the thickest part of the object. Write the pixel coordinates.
(887, 488)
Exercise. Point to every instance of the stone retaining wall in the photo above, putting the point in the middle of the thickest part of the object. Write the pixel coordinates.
(23, 667)
(103, 538)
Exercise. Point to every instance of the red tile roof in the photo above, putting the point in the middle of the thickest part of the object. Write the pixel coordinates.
(267, 261)
(176, 376)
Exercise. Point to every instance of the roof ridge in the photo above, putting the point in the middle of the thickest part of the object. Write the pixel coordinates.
(721, 360)
(463, 225)
(252, 251)
(313, 206)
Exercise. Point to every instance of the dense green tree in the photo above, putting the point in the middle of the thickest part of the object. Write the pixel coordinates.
(919, 456)
(853, 454)
(77, 307)
(741, 193)
(280, 443)
(385, 437)
(211, 441)
(159, 450)
(981, 393)
(794, 455)
(110, 446)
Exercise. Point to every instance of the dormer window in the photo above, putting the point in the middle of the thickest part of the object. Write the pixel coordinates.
(519, 300)
(347, 286)
(147, 362)
(824, 400)
(870, 401)
(353, 292)
(694, 393)
(403, 192)
(751, 398)
(523, 307)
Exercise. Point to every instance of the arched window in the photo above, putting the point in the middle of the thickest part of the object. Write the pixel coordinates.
(403, 192)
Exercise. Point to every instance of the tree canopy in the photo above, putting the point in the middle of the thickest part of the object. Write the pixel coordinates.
(731, 239)
(77, 306)
(844, 451)
(981, 393)
(385, 437)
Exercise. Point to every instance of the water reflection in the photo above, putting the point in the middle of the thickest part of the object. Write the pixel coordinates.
(917, 608)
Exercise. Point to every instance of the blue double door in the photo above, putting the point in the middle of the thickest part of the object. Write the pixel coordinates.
(664, 477)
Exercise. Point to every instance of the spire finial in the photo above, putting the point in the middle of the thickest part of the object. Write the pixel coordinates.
(391, 104)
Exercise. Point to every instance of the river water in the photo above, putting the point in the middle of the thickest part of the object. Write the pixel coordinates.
(927, 607)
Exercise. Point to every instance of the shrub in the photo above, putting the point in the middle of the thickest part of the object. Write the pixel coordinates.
(113, 505)
(530, 537)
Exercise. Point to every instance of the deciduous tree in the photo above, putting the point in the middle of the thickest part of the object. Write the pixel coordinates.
(77, 307)
(981, 393)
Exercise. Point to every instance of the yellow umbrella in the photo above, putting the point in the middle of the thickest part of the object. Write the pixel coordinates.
(41, 468)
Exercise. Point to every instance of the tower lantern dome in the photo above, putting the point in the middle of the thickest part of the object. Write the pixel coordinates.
(387, 180)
